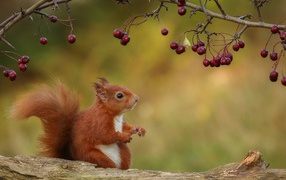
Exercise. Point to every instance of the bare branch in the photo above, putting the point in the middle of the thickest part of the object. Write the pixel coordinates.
(228, 17)
(21, 15)
(12, 20)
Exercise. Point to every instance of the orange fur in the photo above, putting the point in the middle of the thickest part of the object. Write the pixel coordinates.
(97, 135)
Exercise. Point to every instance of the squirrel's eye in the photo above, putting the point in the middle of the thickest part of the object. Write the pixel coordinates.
(119, 95)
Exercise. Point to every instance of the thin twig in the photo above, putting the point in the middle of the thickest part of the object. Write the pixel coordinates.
(257, 5)
(52, 4)
(220, 8)
(5, 41)
(209, 21)
(241, 31)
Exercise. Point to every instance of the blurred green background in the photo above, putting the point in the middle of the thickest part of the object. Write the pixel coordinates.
(196, 118)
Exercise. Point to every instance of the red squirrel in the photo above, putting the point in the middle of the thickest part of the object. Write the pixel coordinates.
(98, 135)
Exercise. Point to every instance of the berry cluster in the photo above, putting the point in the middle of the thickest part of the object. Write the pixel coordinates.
(199, 47)
(223, 59)
(220, 57)
(11, 74)
(238, 45)
(178, 48)
(273, 56)
(123, 36)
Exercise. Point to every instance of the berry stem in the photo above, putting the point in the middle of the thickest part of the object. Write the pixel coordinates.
(275, 45)
(3, 67)
(277, 61)
(268, 40)
(6, 53)
(69, 17)
(237, 36)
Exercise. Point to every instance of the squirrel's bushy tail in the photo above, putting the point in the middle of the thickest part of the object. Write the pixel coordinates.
(57, 107)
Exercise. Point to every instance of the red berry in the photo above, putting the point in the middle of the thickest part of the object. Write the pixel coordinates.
(241, 44)
(43, 40)
(25, 59)
(273, 76)
(217, 59)
(235, 47)
(229, 55)
(20, 61)
(273, 56)
(283, 81)
(264, 53)
(216, 64)
(164, 31)
(118, 33)
(6, 72)
(180, 49)
(182, 10)
(228, 61)
(206, 62)
(53, 18)
(283, 35)
(274, 29)
(174, 45)
(195, 47)
(12, 75)
(212, 63)
(201, 50)
(201, 43)
(71, 38)
(223, 60)
(125, 39)
(22, 67)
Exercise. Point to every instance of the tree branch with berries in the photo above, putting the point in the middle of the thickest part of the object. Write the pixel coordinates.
(218, 48)
(35, 9)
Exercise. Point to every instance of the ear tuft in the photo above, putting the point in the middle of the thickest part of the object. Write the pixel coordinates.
(104, 82)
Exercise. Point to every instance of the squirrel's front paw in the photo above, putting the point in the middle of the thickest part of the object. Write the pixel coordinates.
(125, 137)
(140, 130)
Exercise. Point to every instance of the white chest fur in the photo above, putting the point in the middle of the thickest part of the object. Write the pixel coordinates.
(112, 150)
(118, 123)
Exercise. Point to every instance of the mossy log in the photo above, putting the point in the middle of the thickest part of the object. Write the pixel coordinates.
(22, 167)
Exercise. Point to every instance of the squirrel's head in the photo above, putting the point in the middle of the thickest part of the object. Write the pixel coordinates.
(117, 99)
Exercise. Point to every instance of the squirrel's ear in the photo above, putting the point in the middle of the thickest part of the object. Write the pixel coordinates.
(104, 82)
(100, 92)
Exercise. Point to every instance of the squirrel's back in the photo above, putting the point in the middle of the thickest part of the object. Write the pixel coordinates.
(56, 106)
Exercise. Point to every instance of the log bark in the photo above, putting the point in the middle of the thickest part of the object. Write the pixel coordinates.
(22, 167)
